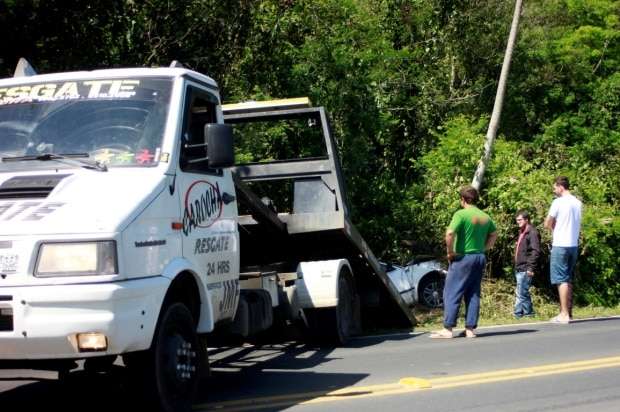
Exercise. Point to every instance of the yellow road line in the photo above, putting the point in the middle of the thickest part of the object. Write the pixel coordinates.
(410, 384)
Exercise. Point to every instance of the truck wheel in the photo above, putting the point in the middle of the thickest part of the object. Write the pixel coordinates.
(335, 325)
(344, 310)
(171, 369)
(430, 291)
(178, 357)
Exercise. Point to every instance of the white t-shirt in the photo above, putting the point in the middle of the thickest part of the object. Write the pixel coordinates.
(566, 210)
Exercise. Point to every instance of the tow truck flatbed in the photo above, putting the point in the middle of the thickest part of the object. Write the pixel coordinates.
(318, 224)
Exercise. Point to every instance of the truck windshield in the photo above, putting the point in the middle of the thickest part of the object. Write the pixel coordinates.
(114, 122)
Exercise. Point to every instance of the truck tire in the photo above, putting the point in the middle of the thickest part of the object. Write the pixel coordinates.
(335, 325)
(170, 371)
(345, 309)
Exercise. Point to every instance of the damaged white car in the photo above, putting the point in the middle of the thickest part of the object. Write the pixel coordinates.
(419, 281)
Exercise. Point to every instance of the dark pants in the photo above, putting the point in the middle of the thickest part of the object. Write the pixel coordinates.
(463, 281)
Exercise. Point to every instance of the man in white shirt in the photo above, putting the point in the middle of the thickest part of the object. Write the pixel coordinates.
(564, 219)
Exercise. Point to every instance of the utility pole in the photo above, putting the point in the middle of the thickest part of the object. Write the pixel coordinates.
(499, 99)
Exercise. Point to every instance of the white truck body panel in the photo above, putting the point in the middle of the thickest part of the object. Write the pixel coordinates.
(133, 206)
(172, 72)
(47, 318)
(83, 202)
(318, 283)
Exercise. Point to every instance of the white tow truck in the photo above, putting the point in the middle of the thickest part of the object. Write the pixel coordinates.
(127, 229)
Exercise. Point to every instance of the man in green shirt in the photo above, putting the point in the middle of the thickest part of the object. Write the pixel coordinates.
(470, 234)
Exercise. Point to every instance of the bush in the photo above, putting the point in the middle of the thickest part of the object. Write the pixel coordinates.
(518, 177)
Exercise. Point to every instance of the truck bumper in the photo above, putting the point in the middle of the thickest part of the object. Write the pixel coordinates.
(42, 322)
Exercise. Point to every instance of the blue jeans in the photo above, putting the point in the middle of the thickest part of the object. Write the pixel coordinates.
(562, 264)
(523, 301)
(463, 282)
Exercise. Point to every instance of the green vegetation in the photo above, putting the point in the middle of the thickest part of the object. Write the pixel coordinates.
(496, 308)
(409, 85)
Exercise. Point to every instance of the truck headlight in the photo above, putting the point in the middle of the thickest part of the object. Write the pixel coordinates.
(77, 259)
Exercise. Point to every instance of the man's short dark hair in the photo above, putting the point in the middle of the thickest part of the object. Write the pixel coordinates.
(562, 181)
(469, 194)
(524, 214)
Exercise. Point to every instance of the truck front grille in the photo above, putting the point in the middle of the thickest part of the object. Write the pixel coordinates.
(28, 187)
(6, 319)
(6, 313)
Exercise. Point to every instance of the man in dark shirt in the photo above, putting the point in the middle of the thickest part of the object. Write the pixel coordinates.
(527, 252)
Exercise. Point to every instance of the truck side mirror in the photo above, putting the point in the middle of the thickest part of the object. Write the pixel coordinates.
(220, 145)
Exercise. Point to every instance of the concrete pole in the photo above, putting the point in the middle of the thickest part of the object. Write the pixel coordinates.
(499, 99)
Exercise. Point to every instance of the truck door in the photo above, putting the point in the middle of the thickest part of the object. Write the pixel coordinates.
(210, 234)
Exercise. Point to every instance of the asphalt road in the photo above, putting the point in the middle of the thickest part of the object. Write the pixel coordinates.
(522, 367)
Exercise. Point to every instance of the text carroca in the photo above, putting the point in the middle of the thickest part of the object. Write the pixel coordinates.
(203, 206)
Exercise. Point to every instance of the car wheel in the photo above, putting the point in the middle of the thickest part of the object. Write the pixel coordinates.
(430, 291)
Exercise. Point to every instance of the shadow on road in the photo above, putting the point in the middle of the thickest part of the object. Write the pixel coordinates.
(82, 391)
(272, 370)
(610, 319)
(505, 332)
(290, 371)
(365, 341)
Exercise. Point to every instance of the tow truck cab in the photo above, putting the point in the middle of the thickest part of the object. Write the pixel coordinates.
(106, 196)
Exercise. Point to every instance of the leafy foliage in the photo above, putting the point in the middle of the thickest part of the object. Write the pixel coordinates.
(409, 85)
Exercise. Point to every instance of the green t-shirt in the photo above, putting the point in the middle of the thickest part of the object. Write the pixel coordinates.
(471, 227)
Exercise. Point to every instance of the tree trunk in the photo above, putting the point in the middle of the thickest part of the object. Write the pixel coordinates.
(499, 99)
